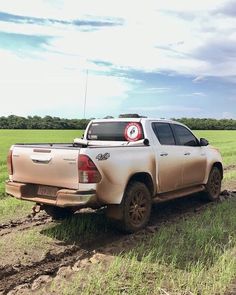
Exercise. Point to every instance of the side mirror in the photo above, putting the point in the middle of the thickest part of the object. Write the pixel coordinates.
(203, 142)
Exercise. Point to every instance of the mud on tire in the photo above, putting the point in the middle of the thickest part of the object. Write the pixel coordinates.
(135, 208)
(58, 212)
(213, 186)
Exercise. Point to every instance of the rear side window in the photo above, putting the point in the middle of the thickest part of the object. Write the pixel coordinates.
(184, 136)
(115, 131)
(164, 133)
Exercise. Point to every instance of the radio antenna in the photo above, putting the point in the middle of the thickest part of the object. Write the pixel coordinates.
(85, 92)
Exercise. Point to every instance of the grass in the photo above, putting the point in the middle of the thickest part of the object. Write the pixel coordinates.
(78, 228)
(193, 256)
(11, 208)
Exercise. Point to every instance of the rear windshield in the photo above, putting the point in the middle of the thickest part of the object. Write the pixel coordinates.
(115, 131)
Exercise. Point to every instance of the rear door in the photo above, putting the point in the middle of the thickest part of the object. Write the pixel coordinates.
(195, 160)
(169, 158)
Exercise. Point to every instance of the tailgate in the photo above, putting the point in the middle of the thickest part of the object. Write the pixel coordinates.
(46, 166)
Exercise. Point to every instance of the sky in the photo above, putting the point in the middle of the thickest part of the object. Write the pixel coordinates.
(167, 59)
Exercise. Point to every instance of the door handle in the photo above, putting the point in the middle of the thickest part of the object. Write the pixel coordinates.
(187, 154)
(163, 154)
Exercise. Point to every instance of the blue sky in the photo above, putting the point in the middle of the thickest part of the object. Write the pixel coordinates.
(169, 59)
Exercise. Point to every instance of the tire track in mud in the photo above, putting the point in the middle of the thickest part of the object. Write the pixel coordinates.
(111, 243)
(11, 276)
(23, 224)
(229, 167)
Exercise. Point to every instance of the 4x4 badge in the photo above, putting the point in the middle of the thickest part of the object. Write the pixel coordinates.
(103, 157)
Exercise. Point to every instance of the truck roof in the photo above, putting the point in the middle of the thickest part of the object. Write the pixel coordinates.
(135, 120)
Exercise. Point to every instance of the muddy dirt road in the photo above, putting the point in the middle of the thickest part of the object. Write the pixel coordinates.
(23, 224)
(69, 256)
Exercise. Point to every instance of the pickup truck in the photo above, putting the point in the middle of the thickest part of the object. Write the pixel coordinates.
(122, 164)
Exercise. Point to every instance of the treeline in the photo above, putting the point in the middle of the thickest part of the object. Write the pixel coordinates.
(48, 122)
(208, 124)
(36, 122)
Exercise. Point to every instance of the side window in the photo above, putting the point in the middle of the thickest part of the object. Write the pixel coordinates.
(164, 133)
(184, 136)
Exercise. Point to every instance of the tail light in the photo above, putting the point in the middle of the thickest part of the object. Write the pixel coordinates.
(9, 163)
(88, 172)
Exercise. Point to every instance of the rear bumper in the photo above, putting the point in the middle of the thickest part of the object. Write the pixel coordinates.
(62, 198)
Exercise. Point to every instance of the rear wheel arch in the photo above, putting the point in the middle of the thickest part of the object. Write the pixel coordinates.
(138, 194)
(133, 213)
(144, 178)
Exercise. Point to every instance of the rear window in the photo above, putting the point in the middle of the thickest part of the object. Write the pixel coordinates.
(115, 131)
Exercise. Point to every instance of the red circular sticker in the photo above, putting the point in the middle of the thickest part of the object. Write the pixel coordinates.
(133, 131)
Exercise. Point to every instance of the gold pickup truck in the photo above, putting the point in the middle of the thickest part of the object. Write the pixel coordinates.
(122, 164)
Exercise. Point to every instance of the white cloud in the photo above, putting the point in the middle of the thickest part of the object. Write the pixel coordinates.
(198, 79)
(199, 94)
(76, 8)
(158, 36)
(156, 90)
(48, 88)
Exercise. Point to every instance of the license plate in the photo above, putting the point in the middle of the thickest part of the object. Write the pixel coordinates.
(47, 191)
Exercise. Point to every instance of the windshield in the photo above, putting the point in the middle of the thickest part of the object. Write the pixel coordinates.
(115, 131)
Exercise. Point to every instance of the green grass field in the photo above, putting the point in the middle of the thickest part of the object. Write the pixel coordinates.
(224, 140)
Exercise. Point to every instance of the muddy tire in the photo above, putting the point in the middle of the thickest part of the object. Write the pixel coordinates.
(213, 186)
(58, 213)
(135, 209)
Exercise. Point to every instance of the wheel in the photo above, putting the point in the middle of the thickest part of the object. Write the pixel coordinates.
(135, 209)
(58, 212)
(213, 186)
